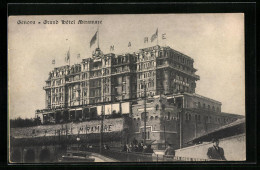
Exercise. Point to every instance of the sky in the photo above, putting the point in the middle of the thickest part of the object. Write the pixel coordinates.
(214, 41)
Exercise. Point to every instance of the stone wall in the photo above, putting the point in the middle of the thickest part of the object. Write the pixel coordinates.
(234, 149)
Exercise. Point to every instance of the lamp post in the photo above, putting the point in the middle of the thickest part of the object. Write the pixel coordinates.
(102, 116)
(78, 139)
(101, 130)
(180, 112)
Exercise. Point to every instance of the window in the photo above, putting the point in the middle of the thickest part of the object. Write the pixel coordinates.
(147, 135)
(157, 107)
(204, 106)
(189, 117)
(163, 107)
(169, 115)
(143, 115)
(124, 78)
(208, 107)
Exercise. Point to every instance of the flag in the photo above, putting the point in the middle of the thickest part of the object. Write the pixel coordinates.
(154, 35)
(145, 39)
(67, 58)
(112, 48)
(93, 39)
(53, 61)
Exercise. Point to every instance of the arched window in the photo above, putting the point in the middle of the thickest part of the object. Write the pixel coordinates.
(189, 117)
(143, 115)
(199, 104)
(156, 117)
(204, 106)
(186, 116)
(208, 107)
(151, 117)
(163, 107)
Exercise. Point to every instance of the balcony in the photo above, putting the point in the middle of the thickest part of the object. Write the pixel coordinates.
(46, 87)
(96, 68)
(164, 65)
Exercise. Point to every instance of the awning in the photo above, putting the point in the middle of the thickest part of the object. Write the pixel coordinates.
(234, 128)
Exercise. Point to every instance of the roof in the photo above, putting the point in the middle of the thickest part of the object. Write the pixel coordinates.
(234, 128)
(194, 95)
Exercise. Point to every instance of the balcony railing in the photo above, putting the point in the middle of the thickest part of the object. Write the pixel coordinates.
(174, 67)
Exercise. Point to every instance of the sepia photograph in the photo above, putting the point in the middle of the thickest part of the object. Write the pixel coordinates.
(126, 88)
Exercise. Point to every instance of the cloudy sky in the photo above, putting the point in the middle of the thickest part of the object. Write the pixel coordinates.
(214, 41)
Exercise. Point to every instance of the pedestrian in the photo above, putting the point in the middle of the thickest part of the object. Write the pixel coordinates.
(124, 148)
(129, 149)
(136, 148)
(106, 147)
(135, 142)
(169, 151)
(140, 147)
(216, 152)
(148, 149)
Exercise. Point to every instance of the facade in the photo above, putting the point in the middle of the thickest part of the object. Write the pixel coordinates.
(177, 119)
(108, 77)
(161, 78)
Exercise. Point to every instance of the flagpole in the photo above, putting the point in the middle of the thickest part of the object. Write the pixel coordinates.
(69, 56)
(157, 35)
(98, 35)
(68, 53)
(53, 63)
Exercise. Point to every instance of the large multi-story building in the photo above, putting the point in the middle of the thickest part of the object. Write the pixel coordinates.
(174, 112)
(110, 77)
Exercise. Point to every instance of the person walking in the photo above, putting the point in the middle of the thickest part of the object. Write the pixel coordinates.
(216, 152)
(169, 151)
(148, 149)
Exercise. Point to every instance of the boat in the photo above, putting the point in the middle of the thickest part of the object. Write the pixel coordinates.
(71, 156)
